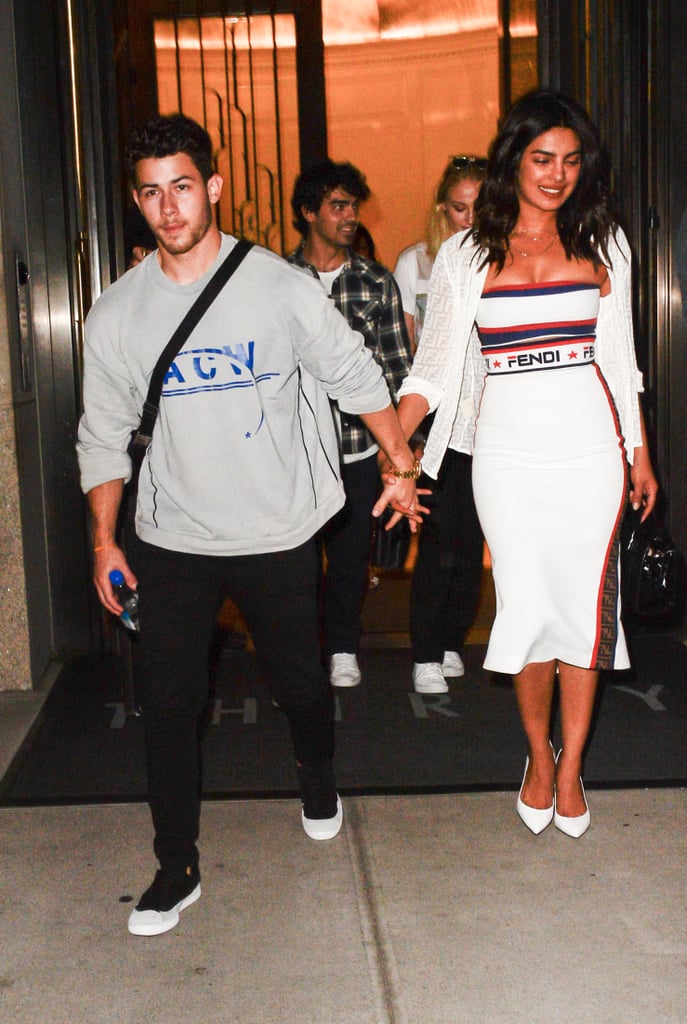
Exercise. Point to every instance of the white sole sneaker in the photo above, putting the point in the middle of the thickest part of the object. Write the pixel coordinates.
(324, 828)
(157, 922)
(452, 665)
(428, 678)
(344, 670)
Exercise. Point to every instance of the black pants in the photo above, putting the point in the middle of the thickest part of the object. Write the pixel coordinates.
(446, 580)
(347, 540)
(180, 596)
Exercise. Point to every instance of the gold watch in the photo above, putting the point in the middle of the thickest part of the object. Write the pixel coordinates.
(408, 474)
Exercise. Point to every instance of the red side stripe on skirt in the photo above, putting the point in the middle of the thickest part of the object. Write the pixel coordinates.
(603, 653)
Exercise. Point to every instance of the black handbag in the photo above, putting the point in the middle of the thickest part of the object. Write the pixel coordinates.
(649, 568)
(141, 438)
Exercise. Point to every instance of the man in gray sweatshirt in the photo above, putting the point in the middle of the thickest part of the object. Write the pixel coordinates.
(241, 474)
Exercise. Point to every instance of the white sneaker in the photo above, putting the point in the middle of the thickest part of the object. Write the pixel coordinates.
(159, 907)
(453, 664)
(428, 678)
(324, 828)
(344, 670)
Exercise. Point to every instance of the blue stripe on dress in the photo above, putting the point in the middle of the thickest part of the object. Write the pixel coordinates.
(535, 334)
(547, 288)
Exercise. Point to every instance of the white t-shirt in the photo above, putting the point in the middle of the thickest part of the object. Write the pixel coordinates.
(412, 273)
(328, 277)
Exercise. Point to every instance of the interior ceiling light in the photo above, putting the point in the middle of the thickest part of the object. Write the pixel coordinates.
(352, 22)
(361, 21)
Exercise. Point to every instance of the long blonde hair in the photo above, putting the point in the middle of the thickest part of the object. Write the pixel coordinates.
(459, 168)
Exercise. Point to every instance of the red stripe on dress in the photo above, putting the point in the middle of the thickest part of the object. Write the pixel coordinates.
(553, 325)
(609, 575)
(519, 346)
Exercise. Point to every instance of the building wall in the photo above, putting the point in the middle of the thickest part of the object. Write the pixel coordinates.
(398, 109)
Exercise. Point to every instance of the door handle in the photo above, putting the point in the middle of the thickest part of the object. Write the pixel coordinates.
(21, 277)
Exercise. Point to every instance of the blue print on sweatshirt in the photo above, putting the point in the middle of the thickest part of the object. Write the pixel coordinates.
(213, 369)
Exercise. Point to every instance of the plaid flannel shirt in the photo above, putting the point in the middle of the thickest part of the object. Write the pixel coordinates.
(367, 295)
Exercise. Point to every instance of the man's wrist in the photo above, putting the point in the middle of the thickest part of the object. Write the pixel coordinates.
(408, 474)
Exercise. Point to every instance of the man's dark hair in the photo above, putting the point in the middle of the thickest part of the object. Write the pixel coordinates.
(164, 136)
(317, 181)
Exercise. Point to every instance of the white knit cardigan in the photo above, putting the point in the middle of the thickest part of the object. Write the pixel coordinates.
(449, 369)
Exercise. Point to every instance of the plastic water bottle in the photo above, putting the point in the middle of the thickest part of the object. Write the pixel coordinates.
(128, 599)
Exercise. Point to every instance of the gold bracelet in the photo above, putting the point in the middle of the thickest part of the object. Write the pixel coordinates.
(408, 474)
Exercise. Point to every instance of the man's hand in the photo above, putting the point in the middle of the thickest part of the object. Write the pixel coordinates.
(104, 502)
(106, 558)
(402, 496)
(391, 496)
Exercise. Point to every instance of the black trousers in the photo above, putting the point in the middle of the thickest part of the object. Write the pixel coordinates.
(445, 587)
(180, 596)
(347, 538)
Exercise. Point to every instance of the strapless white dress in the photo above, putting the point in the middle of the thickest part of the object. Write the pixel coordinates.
(550, 480)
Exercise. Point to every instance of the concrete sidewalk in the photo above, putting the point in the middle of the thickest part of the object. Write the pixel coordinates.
(424, 910)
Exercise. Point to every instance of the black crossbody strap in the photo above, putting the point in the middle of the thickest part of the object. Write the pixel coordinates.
(196, 312)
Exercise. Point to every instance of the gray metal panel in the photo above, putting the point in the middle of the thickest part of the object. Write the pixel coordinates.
(37, 227)
(671, 198)
(15, 247)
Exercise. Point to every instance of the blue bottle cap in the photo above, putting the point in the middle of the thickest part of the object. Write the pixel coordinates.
(116, 578)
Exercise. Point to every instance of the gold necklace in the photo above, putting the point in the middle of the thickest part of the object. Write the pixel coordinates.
(532, 237)
(543, 252)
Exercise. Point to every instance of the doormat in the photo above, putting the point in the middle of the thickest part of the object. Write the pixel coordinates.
(87, 746)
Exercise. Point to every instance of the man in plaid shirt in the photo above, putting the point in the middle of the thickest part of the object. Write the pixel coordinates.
(325, 202)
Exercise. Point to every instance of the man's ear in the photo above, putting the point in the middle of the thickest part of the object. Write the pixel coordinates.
(310, 215)
(134, 193)
(214, 187)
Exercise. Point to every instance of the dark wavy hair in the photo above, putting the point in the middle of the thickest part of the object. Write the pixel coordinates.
(316, 182)
(166, 135)
(585, 221)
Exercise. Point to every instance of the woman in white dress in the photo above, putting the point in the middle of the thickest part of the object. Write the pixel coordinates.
(527, 355)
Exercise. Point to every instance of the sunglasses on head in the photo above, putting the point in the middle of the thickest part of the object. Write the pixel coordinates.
(461, 162)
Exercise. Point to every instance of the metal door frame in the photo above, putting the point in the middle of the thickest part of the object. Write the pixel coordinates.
(622, 61)
(60, 224)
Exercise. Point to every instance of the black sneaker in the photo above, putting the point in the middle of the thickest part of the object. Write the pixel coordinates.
(322, 813)
(159, 907)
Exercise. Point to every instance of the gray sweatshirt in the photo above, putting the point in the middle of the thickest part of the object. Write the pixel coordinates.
(244, 456)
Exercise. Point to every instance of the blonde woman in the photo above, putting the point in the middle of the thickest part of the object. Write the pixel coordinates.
(446, 580)
(454, 200)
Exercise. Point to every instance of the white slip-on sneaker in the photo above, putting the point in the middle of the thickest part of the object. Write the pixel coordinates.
(452, 665)
(344, 670)
(428, 677)
(321, 811)
(159, 907)
(324, 828)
